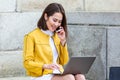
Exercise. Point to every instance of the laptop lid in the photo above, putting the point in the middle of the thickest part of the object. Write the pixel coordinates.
(78, 65)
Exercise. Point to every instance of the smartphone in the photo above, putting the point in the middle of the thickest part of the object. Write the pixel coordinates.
(58, 29)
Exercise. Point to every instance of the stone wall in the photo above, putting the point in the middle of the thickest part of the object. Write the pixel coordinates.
(90, 33)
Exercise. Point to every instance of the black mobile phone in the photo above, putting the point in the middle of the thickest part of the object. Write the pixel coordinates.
(58, 29)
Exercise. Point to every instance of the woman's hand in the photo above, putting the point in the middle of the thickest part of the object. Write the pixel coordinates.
(51, 66)
(61, 35)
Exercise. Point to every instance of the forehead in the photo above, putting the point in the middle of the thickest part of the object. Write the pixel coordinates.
(57, 15)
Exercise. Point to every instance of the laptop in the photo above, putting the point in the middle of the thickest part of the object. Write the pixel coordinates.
(77, 65)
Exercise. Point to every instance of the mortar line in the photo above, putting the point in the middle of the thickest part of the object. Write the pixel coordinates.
(110, 25)
(106, 53)
(84, 5)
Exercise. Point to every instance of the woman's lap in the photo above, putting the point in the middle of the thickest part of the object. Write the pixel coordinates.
(60, 77)
(69, 77)
(63, 77)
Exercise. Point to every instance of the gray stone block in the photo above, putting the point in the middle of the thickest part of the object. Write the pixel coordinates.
(94, 18)
(7, 5)
(89, 41)
(13, 27)
(102, 5)
(11, 64)
(113, 49)
(39, 5)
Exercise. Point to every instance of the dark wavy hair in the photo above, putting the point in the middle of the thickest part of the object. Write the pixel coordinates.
(50, 10)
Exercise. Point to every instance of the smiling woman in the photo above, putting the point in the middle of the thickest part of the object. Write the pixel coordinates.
(53, 21)
(53, 14)
(45, 49)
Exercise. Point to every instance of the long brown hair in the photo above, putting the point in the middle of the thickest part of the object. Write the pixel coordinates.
(50, 10)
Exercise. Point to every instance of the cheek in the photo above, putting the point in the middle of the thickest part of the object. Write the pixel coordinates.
(48, 23)
(60, 24)
(51, 22)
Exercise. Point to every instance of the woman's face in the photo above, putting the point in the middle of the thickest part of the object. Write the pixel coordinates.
(54, 21)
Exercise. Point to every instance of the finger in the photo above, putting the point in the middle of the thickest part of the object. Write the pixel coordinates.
(57, 65)
(59, 30)
(53, 66)
(61, 33)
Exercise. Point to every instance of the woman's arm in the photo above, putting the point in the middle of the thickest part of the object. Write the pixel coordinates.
(29, 58)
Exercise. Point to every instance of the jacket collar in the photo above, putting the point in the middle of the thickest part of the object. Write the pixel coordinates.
(48, 32)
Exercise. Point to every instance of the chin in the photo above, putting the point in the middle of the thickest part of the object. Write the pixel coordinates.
(52, 30)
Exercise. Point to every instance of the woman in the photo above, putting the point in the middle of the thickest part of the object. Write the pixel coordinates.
(45, 49)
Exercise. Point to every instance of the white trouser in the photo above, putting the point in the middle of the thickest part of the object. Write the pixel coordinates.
(44, 77)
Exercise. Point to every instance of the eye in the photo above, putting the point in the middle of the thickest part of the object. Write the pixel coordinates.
(60, 21)
(55, 20)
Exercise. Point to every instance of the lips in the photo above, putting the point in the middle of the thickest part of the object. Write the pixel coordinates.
(53, 28)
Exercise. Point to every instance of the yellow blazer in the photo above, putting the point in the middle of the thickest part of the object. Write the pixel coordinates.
(37, 52)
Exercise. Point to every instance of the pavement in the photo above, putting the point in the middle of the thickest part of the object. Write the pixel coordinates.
(15, 78)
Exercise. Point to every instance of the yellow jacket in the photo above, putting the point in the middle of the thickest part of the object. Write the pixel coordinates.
(37, 52)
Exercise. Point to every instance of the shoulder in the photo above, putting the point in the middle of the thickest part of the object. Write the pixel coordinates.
(33, 33)
(36, 34)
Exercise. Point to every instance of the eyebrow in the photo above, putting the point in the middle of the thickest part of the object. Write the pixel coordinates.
(57, 18)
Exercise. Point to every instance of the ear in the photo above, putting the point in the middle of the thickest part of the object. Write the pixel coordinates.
(45, 16)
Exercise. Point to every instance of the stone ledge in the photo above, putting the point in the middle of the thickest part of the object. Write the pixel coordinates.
(15, 78)
(94, 18)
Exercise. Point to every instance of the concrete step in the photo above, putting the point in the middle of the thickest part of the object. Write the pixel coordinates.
(11, 64)
(15, 78)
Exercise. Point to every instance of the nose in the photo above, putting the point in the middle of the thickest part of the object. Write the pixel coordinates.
(57, 24)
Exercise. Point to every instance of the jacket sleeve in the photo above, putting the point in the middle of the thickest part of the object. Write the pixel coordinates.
(64, 55)
(29, 59)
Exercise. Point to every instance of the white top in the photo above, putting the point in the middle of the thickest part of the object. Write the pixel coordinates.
(55, 54)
